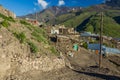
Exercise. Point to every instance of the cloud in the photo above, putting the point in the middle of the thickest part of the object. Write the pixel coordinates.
(43, 3)
(61, 2)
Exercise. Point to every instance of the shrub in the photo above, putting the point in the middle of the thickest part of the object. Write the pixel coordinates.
(33, 47)
(53, 50)
(5, 23)
(85, 45)
(7, 18)
(3, 16)
(10, 19)
(20, 36)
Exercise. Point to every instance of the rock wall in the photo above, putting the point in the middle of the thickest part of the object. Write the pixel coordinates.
(7, 12)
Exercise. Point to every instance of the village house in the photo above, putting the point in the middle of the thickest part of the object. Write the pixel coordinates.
(116, 41)
(33, 21)
(57, 29)
(88, 37)
(61, 29)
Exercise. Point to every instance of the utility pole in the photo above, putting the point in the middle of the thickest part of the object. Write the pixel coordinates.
(101, 40)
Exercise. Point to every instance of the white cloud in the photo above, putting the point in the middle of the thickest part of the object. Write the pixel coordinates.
(61, 2)
(43, 3)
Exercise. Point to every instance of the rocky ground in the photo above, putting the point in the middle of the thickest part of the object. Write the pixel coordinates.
(83, 66)
(18, 63)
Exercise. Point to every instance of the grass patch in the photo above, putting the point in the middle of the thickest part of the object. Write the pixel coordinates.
(24, 22)
(10, 19)
(5, 23)
(28, 25)
(7, 18)
(39, 37)
(20, 36)
(53, 50)
(3, 16)
(33, 47)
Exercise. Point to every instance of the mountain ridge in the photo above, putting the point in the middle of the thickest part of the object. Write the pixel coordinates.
(80, 18)
(51, 13)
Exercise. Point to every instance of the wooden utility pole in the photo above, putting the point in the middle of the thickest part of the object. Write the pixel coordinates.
(101, 40)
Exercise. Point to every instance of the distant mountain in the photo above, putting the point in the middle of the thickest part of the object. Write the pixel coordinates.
(51, 13)
(85, 19)
(113, 3)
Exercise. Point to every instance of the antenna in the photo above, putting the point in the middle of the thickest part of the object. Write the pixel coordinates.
(35, 13)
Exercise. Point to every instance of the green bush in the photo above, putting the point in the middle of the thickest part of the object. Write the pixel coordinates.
(33, 47)
(20, 36)
(3, 16)
(53, 50)
(10, 19)
(7, 18)
(85, 45)
(5, 23)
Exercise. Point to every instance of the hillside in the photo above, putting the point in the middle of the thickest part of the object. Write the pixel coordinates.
(84, 19)
(25, 47)
(111, 26)
(27, 54)
(88, 20)
(6, 12)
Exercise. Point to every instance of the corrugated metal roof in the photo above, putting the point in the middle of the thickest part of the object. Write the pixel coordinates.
(104, 48)
(88, 34)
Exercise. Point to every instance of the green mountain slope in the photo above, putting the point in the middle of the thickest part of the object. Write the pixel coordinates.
(79, 20)
(110, 26)
(27, 34)
(85, 19)
(90, 21)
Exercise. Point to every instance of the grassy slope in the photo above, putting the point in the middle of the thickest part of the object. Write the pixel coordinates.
(27, 34)
(110, 27)
(62, 18)
(111, 22)
(77, 20)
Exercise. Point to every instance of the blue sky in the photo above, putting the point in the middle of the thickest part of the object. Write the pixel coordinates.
(23, 7)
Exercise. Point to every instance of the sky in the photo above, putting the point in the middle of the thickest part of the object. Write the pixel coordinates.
(23, 7)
